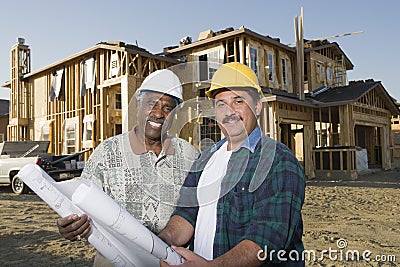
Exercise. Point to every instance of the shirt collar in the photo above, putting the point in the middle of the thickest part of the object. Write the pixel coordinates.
(250, 142)
(138, 146)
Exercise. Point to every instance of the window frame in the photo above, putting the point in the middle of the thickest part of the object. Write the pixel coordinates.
(271, 66)
(88, 125)
(253, 59)
(329, 75)
(118, 101)
(214, 58)
(70, 135)
(320, 71)
(284, 71)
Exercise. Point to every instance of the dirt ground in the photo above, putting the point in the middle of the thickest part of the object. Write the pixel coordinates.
(358, 215)
(343, 217)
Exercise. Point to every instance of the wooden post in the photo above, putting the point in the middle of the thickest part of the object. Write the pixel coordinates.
(320, 125)
(329, 133)
(242, 50)
(308, 158)
(235, 49)
(299, 36)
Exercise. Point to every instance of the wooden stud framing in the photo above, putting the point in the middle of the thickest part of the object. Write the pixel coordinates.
(73, 105)
(369, 110)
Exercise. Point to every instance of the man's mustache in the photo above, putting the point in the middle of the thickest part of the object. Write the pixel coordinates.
(231, 118)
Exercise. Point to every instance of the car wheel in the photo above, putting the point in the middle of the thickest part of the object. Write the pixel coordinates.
(18, 187)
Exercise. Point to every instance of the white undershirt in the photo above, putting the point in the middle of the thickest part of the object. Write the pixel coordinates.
(208, 191)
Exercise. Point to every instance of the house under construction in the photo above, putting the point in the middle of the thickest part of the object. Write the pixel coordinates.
(333, 126)
(79, 101)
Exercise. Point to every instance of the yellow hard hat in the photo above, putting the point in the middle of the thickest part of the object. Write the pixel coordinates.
(234, 75)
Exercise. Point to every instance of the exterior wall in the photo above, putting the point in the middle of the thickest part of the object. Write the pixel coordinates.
(346, 136)
(295, 114)
(386, 144)
(39, 114)
(129, 85)
(253, 53)
(72, 122)
(277, 81)
(370, 111)
(4, 117)
(364, 123)
(3, 127)
(372, 118)
(243, 46)
(325, 67)
(19, 96)
(318, 78)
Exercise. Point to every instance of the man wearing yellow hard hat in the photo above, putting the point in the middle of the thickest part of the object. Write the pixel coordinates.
(241, 203)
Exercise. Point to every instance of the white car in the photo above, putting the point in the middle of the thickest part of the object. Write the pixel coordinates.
(16, 154)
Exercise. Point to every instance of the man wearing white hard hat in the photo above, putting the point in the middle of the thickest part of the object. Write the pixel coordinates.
(144, 168)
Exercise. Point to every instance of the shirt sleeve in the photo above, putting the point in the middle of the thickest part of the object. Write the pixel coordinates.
(277, 208)
(95, 165)
(187, 205)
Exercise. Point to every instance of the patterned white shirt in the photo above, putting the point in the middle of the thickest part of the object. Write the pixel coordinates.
(145, 184)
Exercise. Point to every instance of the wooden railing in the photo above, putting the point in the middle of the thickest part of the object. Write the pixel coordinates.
(335, 158)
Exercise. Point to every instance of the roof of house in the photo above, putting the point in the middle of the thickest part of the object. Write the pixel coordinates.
(272, 95)
(325, 97)
(353, 92)
(335, 48)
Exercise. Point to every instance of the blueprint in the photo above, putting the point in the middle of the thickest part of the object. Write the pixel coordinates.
(116, 234)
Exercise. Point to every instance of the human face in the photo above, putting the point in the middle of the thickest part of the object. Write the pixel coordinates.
(236, 114)
(154, 109)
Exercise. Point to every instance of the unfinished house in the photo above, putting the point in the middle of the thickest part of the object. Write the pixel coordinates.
(327, 123)
(332, 126)
(353, 127)
(79, 101)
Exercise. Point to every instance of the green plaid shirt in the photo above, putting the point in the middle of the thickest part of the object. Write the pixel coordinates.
(261, 197)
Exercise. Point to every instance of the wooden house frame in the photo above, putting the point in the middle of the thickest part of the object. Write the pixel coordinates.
(299, 122)
(323, 125)
(356, 116)
(56, 103)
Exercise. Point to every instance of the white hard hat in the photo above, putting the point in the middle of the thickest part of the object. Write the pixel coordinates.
(163, 81)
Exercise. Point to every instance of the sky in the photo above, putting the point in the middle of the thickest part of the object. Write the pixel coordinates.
(55, 30)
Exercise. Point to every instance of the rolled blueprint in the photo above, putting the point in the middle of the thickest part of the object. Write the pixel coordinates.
(115, 233)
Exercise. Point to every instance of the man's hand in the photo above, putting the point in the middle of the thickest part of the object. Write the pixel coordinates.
(73, 227)
(243, 254)
(191, 259)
